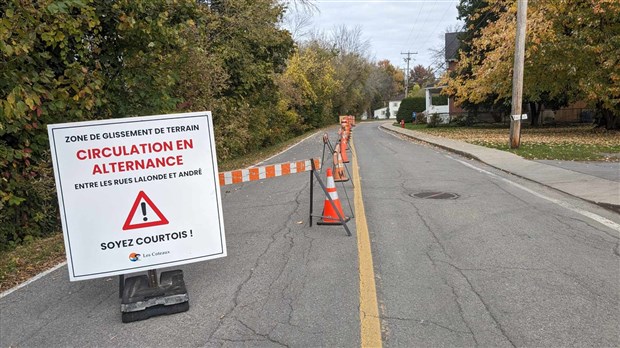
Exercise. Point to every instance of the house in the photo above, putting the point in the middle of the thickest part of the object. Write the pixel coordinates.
(393, 106)
(441, 109)
(380, 113)
(451, 55)
(439, 106)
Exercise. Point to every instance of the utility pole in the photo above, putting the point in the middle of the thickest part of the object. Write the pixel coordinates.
(404, 70)
(517, 76)
(407, 71)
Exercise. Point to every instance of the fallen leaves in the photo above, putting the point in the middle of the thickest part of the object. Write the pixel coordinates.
(561, 143)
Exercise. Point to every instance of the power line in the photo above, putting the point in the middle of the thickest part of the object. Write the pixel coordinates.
(414, 24)
(438, 23)
(424, 23)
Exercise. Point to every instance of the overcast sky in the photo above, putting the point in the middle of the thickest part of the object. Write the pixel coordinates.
(392, 26)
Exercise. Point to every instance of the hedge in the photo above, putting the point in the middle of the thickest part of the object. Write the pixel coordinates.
(408, 106)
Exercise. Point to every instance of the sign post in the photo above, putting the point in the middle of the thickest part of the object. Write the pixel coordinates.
(137, 194)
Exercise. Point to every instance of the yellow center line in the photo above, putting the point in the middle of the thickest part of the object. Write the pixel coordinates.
(370, 324)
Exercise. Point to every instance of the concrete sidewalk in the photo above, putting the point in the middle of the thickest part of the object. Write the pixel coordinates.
(591, 188)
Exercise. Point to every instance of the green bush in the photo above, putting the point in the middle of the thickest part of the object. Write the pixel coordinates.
(408, 106)
(46, 78)
(463, 120)
(433, 120)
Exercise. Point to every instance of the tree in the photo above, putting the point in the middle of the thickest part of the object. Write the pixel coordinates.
(476, 14)
(379, 87)
(246, 38)
(73, 60)
(139, 47)
(384, 83)
(309, 85)
(45, 77)
(423, 77)
(587, 33)
(352, 68)
(397, 76)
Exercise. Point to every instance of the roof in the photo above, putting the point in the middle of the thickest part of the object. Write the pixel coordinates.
(435, 88)
(452, 46)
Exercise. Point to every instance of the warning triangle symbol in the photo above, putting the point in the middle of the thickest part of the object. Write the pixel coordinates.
(143, 219)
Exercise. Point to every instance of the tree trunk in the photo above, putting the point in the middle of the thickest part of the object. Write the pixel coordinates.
(611, 120)
(606, 118)
(535, 113)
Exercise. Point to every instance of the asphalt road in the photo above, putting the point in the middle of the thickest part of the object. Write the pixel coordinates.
(283, 283)
(494, 266)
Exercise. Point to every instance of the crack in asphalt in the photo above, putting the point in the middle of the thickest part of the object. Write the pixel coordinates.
(286, 293)
(581, 283)
(582, 239)
(235, 300)
(456, 300)
(444, 252)
(485, 304)
(285, 231)
(430, 230)
(474, 291)
(441, 245)
(614, 236)
(267, 337)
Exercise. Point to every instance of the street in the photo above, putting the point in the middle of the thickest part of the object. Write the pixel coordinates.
(495, 266)
(464, 255)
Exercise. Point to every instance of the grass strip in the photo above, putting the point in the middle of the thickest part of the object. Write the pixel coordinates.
(564, 143)
(27, 260)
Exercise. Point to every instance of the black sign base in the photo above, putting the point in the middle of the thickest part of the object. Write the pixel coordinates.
(141, 301)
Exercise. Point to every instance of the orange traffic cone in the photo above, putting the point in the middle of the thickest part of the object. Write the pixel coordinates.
(339, 175)
(330, 212)
(343, 149)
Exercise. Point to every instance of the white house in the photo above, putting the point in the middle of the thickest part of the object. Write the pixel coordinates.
(381, 113)
(393, 106)
(442, 110)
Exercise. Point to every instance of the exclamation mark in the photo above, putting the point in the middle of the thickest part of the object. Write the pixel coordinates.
(143, 206)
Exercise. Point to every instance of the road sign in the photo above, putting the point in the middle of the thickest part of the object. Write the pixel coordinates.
(137, 193)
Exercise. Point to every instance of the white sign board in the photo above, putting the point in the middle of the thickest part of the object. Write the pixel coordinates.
(137, 193)
(519, 117)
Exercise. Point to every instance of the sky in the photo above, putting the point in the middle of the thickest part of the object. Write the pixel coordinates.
(392, 27)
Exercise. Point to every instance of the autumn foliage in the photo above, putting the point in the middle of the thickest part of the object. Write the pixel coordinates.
(572, 50)
(74, 60)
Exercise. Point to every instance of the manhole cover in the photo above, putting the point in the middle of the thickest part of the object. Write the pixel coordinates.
(435, 195)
